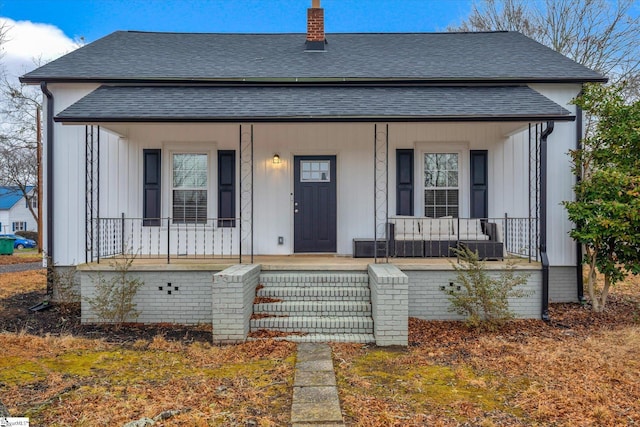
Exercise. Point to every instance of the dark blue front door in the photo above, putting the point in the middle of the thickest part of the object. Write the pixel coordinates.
(314, 204)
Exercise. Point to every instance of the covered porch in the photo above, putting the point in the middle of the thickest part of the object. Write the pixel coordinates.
(381, 153)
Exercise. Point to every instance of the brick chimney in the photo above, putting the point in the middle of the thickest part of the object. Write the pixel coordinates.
(315, 27)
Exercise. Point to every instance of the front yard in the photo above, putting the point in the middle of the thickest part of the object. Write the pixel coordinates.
(59, 373)
(581, 369)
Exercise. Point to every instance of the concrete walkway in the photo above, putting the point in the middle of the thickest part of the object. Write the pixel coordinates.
(315, 396)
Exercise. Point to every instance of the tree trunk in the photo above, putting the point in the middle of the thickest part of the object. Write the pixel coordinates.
(591, 282)
(605, 293)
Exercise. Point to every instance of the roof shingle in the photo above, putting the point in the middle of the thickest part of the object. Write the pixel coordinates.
(491, 56)
(293, 103)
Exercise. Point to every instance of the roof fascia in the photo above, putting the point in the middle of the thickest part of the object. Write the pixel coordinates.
(314, 81)
(324, 119)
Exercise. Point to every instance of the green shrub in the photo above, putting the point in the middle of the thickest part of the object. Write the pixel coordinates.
(483, 299)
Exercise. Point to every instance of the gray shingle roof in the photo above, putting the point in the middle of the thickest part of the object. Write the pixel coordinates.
(293, 103)
(492, 56)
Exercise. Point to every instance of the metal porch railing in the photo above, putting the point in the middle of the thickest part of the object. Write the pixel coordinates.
(162, 238)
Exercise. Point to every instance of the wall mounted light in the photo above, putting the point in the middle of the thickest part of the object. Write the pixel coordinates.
(276, 159)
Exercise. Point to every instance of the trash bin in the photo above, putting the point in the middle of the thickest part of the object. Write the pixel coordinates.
(6, 245)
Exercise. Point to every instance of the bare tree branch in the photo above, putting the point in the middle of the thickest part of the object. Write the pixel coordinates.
(599, 34)
(18, 133)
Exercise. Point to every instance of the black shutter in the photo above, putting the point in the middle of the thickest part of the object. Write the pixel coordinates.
(404, 182)
(151, 187)
(479, 184)
(226, 188)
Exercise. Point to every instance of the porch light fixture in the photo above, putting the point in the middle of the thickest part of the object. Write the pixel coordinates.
(276, 159)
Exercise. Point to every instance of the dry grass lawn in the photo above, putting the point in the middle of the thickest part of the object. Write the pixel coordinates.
(580, 370)
(64, 380)
(67, 381)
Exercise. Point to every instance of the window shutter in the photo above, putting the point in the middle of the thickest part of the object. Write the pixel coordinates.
(151, 187)
(479, 184)
(226, 188)
(404, 182)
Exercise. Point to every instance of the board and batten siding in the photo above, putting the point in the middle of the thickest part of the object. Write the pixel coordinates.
(69, 179)
(560, 178)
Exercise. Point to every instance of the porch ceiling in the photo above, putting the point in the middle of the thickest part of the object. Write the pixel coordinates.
(190, 104)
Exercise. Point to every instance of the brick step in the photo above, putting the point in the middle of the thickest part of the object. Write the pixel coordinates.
(315, 308)
(345, 338)
(314, 279)
(316, 324)
(317, 293)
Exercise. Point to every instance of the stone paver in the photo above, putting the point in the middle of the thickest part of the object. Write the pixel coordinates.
(315, 396)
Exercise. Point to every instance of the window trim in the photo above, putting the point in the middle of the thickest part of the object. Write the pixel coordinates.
(206, 188)
(169, 147)
(23, 226)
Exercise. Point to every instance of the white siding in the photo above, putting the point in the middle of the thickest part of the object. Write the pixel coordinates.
(560, 179)
(18, 213)
(69, 176)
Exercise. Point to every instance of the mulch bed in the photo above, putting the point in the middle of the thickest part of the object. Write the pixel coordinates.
(16, 317)
(623, 308)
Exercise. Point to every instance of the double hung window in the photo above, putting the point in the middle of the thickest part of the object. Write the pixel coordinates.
(19, 226)
(189, 188)
(441, 185)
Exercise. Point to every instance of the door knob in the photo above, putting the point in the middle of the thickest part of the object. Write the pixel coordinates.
(295, 211)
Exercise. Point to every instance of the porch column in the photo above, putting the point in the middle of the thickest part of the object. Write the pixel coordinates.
(92, 192)
(381, 184)
(246, 191)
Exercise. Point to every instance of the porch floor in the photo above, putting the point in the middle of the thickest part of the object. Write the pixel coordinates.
(299, 262)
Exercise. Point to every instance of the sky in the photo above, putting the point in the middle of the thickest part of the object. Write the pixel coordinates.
(46, 29)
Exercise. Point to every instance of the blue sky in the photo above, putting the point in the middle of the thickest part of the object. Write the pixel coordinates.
(93, 19)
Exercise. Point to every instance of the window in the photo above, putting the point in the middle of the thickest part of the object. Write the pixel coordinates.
(441, 189)
(20, 226)
(189, 188)
(33, 200)
(315, 171)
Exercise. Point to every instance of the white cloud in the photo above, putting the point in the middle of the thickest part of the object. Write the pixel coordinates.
(27, 43)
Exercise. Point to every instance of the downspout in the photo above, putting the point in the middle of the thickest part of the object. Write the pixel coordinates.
(49, 130)
(579, 276)
(543, 220)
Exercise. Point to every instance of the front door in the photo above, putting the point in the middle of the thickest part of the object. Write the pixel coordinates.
(314, 204)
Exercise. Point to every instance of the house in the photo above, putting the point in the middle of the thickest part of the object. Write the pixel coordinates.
(335, 170)
(14, 210)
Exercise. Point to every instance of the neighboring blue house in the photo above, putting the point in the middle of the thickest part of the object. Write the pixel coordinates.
(14, 211)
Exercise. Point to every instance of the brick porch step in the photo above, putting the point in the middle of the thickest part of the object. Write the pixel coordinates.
(313, 279)
(316, 324)
(316, 338)
(354, 292)
(315, 306)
